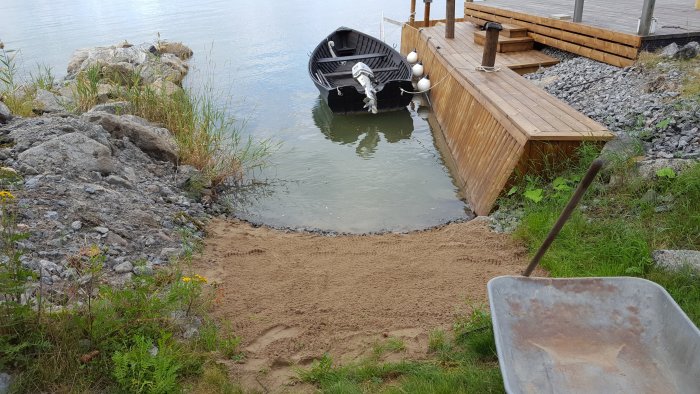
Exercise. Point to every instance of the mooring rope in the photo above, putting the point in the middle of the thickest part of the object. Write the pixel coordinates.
(488, 69)
(426, 90)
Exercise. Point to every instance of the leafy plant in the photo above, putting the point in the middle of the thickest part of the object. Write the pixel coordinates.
(663, 123)
(666, 172)
(561, 184)
(144, 368)
(534, 195)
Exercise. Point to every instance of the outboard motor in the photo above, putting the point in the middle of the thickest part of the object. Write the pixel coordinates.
(364, 75)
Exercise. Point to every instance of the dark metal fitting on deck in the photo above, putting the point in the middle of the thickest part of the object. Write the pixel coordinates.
(493, 26)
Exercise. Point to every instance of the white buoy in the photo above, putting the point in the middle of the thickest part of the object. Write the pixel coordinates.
(417, 70)
(424, 84)
(412, 57)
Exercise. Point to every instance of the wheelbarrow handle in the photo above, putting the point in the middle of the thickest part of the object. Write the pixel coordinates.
(566, 213)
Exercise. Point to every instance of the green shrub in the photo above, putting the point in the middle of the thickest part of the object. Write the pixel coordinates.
(144, 368)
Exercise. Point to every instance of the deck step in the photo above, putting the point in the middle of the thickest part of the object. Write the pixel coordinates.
(506, 44)
(512, 31)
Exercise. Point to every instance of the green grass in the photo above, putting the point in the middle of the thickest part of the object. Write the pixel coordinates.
(617, 228)
(97, 338)
(207, 137)
(690, 86)
(463, 363)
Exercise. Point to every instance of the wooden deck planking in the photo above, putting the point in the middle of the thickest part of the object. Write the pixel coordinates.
(619, 15)
(614, 48)
(512, 84)
(492, 122)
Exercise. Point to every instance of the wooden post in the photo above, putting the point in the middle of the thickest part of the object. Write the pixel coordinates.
(493, 29)
(426, 19)
(450, 28)
(697, 4)
(645, 20)
(578, 11)
(412, 17)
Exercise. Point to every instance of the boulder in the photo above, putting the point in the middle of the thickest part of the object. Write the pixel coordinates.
(176, 48)
(5, 113)
(73, 152)
(157, 142)
(622, 147)
(124, 61)
(5, 381)
(670, 50)
(46, 101)
(114, 108)
(648, 168)
(31, 132)
(103, 92)
(123, 268)
(675, 260)
(688, 51)
(166, 87)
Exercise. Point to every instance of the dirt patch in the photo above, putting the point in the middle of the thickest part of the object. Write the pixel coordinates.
(294, 296)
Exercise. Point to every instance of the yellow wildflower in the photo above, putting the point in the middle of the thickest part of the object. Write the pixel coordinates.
(200, 278)
(6, 196)
(186, 279)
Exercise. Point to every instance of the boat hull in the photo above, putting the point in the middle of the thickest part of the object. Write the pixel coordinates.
(330, 70)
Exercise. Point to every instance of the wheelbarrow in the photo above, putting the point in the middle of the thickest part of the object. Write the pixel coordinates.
(591, 335)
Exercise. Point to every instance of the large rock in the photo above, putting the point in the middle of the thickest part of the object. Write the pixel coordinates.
(670, 50)
(621, 147)
(45, 102)
(675, 260)
(30, 132)
(176, 48)
(648, 168)
(5, 381)
(157, 142)
(688, 51)
(124, 61)
(69, 152)
(114, 108)
(5, 113)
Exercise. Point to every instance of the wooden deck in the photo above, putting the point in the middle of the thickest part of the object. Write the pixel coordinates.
(608, 29)
(496, 124)
(674, 16)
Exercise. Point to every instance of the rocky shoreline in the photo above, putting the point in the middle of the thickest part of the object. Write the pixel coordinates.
(104, 178)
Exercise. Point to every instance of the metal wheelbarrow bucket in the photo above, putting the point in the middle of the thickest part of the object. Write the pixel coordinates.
(592, 335)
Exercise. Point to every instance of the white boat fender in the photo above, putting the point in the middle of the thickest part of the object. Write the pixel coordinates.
(424, 84)
(417, 70)
(412, 57)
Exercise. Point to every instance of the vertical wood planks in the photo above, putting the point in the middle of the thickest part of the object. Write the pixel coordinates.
(496, 126)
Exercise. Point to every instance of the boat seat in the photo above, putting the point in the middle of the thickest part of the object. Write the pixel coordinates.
(348, 58)
(348, 73)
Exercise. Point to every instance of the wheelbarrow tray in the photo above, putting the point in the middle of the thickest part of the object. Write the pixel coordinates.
(592, 335)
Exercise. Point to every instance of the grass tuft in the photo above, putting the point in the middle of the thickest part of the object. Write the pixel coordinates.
(616, 228)
(462, 365)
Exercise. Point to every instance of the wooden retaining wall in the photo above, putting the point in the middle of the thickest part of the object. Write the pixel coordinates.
(492, 139)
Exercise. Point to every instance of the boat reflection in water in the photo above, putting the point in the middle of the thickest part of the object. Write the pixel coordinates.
(348, 129)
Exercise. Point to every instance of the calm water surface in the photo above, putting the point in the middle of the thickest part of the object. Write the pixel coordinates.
(340, 173)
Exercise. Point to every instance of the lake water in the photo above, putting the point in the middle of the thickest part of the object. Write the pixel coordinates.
(340, 173)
